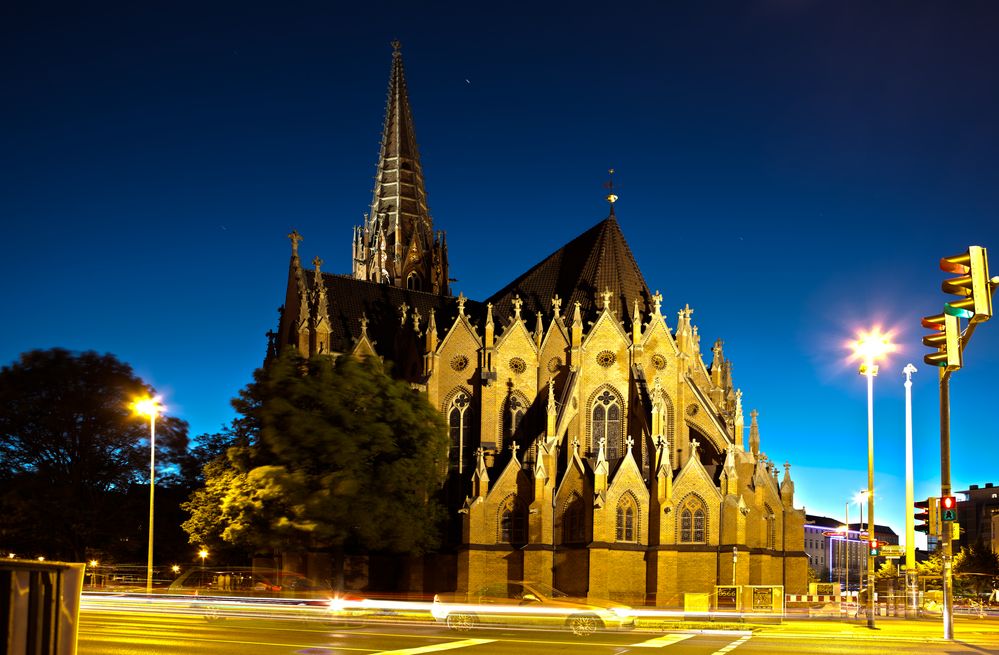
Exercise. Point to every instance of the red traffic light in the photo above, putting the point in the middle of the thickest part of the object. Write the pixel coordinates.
(948, 502)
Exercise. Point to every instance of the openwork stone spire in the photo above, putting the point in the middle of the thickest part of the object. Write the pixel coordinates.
(397, 244)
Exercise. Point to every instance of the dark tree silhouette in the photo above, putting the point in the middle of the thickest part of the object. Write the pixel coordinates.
(70, 453)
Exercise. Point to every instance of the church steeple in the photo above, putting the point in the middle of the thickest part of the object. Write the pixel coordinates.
(397, 244)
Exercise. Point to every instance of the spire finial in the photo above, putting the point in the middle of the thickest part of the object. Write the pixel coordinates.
(396, 48)
(514, 447)
(317, 262)
(461, 303)
(611, 198)
(557, 305)
(517, 303)
(364, 325)
(606, 293)
(657, 303)
(295, 238)
(629, 442)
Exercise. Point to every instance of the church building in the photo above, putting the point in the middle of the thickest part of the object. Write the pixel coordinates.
(594, 446)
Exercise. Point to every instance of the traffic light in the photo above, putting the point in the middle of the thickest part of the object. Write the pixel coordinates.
(926, 511)
(973, 283)
(948, 508)
(875, 547)
(946, 339)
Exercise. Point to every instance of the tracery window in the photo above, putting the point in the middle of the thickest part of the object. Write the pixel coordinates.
(606, 423)
(693, 522)
(627, 515)
(512, 522)
(459, 419)
(413, 281)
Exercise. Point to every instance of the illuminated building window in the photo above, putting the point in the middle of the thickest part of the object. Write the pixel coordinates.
(627, 514)
(606, 423)
(459, 418)
(693, 522)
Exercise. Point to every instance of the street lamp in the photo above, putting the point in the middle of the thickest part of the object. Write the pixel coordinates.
(203, 553)
(93, 571)
(869, 348)
(151, 408)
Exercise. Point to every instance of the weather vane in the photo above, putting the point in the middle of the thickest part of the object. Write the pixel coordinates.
(611, 198)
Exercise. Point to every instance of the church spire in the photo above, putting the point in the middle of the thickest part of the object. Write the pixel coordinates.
(399, 215)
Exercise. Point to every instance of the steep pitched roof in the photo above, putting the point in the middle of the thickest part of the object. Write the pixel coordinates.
(350, 299)
(580, 271)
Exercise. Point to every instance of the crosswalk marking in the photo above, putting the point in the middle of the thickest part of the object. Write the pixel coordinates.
(735, 644)
(448, 645)
(660, 642)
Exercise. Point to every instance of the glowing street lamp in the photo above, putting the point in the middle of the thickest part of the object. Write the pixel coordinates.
(93, 571)
(871, 347)
(151, 408)
(203, 553)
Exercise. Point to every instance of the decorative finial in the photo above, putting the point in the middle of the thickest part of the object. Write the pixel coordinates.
(657, 303)
(909, 370)
(396, 47)
(693, 447)
(364, 325)
(295, 238)
(551, 395)
(611, 198)
(517, 302)
(461, 304)
(629, 442)
(317, 262)
(514, 447)
(557, 305)
(575, 445)
(606, 293)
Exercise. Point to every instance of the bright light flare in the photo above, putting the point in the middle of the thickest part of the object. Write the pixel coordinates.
(148, 407)
(872, 346)
(93, 563)
(203, 553)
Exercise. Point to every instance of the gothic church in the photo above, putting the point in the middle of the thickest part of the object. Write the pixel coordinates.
(593, 447)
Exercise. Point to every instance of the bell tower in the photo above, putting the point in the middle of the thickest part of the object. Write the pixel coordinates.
(397, 244)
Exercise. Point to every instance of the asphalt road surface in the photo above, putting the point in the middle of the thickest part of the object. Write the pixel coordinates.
(159, 630)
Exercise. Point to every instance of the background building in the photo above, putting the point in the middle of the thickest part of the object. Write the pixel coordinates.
(975, 508)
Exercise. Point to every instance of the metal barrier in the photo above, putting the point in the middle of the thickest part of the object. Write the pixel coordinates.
(39, 607)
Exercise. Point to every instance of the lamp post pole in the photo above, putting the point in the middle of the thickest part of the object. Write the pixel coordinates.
(152, 489)
(846, 560)
(869, 371)
(910, 532)
(735, 562)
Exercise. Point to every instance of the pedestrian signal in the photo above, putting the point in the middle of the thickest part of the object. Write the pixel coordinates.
(948, 508)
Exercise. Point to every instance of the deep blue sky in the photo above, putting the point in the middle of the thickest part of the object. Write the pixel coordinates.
(793, 170)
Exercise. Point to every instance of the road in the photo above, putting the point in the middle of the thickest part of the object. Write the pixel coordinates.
(158, 630)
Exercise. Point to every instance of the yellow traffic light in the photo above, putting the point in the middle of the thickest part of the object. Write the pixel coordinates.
(946, 339)
(973, 284)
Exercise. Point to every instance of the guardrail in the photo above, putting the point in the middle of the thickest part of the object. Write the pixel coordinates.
(39, 607)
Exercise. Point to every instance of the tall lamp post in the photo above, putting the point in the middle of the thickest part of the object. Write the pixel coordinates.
(910, 501)
(869, 348)
(150, 408)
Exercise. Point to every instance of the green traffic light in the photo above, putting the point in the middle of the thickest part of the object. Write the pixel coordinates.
(957, 311)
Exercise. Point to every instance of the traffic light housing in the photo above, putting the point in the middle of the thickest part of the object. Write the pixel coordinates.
(926, 511)
(972, 283)
(948, 508)
(875, 546)
(946, 339)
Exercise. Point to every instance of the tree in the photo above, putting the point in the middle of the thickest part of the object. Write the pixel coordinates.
(339, 455)
(71, 450)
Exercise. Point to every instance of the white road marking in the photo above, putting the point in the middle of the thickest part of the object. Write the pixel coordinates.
(735, 644)
(660, 642)
(449, 645)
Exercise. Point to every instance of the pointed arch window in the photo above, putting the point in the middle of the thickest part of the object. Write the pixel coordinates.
(459, 419)
(771, 527)
(512, 522)
(606, 423)
(573, 522)
(693, 522)
(413, 282)
(627, 519)
(513, 413)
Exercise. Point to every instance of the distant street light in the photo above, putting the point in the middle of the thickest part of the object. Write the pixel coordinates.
(93, 571)
(175, 569)
(869, 348)
(151, 408)
(203, 553)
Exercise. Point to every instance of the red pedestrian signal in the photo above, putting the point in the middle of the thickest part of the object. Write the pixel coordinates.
(948, 508)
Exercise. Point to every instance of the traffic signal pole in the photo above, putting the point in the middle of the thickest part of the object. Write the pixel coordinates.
(945, 537)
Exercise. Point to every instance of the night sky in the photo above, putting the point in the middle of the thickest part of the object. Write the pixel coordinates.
(793, 170)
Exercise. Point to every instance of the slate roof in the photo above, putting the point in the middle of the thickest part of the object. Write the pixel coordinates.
(579, 271)
(351, 298)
